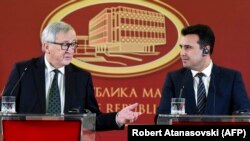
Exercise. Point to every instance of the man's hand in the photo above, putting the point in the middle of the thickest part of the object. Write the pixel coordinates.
(127, 115)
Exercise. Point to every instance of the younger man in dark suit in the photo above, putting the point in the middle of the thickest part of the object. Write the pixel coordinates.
(223, 88)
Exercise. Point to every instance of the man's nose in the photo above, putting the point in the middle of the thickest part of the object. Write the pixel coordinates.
(182, 52)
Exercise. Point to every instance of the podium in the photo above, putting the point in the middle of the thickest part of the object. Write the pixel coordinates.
(164, 119)
(30, 127)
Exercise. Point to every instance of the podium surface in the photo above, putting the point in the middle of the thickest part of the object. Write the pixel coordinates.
(40, 127)
(164, 119)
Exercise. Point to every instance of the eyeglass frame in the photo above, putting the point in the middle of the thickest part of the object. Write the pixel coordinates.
(66, 45)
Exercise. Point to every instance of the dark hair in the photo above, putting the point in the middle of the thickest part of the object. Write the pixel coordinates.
(205, 33)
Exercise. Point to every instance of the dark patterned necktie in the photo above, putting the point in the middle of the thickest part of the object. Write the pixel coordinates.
(201, 95)
(54, 105)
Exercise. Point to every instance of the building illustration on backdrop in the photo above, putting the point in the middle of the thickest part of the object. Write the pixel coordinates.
(122, 31)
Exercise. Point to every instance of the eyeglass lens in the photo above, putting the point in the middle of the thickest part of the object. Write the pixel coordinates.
(73, 45)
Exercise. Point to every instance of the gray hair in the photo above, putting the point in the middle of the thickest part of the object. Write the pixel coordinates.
(51, 30)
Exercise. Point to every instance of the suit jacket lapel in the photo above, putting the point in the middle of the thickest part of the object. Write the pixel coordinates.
(69, 87)
(211, 96)
(189, 94)
(39, 77)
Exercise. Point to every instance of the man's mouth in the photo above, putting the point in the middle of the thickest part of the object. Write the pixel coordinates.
(68, 57)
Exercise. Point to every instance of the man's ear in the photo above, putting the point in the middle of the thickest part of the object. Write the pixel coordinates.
(45, 47)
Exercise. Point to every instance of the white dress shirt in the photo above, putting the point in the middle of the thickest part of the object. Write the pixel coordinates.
(206, 79)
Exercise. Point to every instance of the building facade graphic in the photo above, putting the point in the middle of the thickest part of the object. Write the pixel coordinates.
(123, 30)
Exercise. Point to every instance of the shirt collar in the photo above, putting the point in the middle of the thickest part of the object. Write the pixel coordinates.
(50, 67)
(207, 71)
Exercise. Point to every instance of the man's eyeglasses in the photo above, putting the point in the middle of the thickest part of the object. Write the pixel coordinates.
(65, 46)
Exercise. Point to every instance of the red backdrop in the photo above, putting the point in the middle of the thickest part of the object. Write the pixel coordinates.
(20, 30)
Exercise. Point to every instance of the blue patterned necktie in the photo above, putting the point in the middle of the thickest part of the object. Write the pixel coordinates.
(201, 95)
(54, 105)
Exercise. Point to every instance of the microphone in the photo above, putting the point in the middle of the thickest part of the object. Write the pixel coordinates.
(183, 83)
(18, 81)
(3, 90)
(181, 91)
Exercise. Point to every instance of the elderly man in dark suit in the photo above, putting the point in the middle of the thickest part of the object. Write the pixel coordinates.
(223, 88)
(74, 89)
